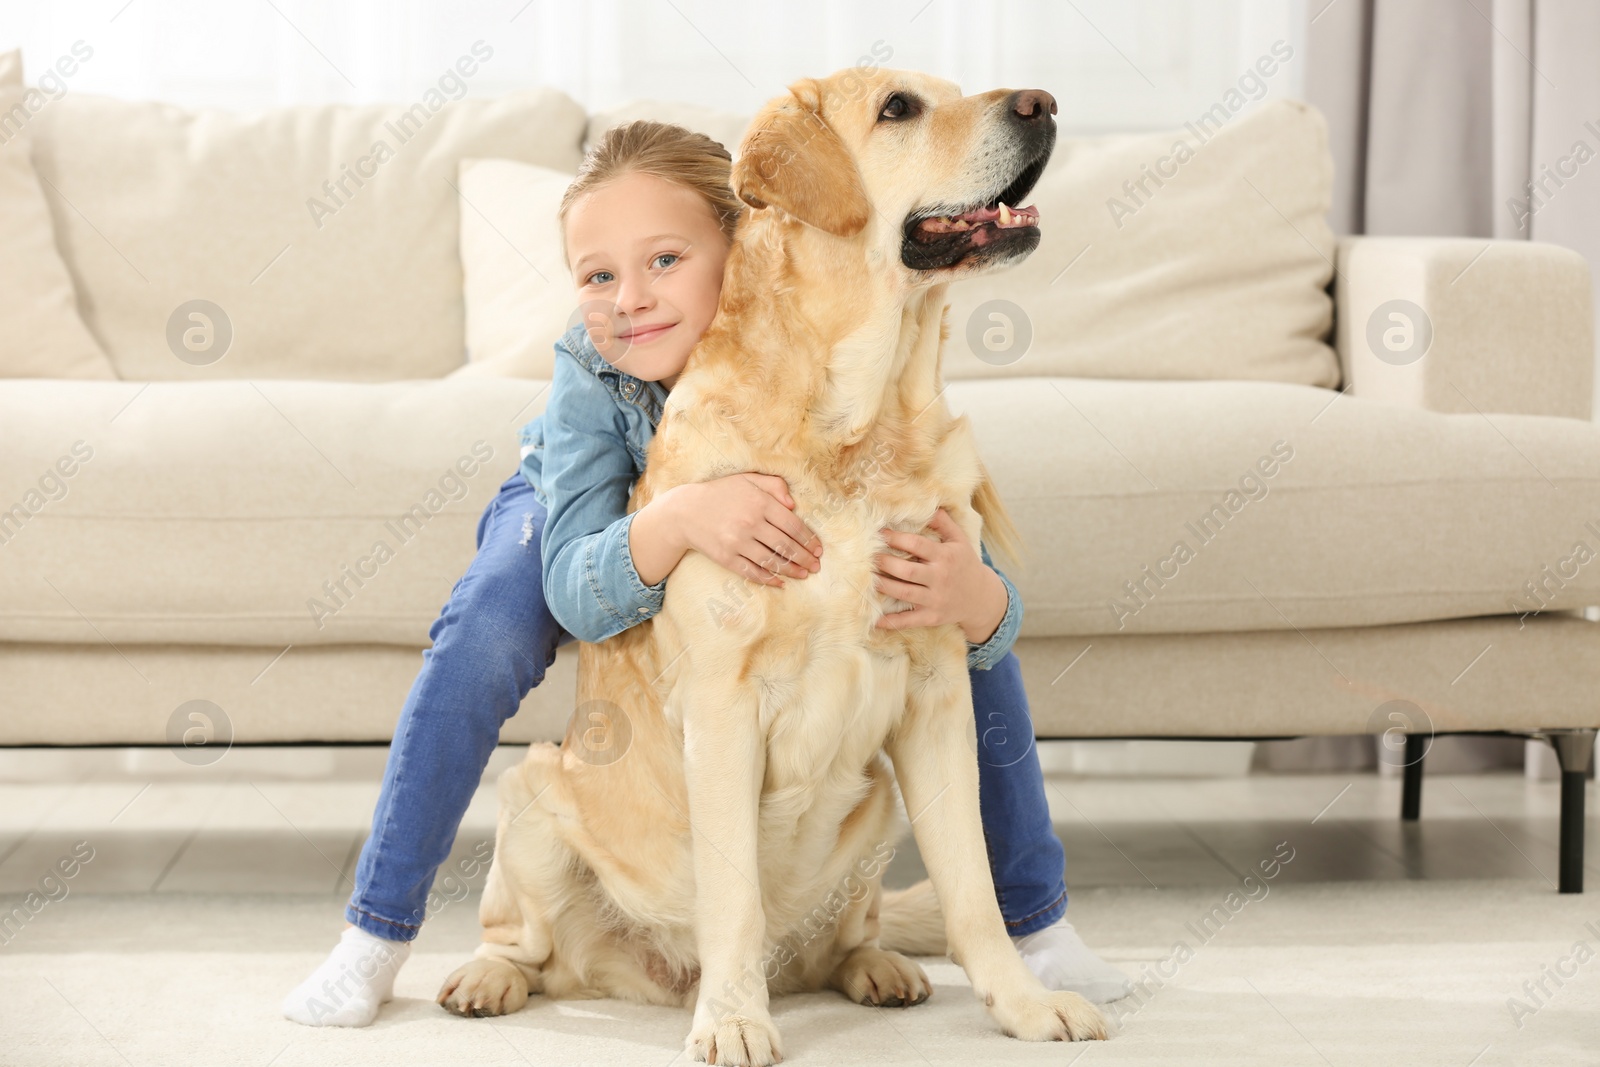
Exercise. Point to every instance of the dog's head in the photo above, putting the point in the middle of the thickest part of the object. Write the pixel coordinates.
(902, 164)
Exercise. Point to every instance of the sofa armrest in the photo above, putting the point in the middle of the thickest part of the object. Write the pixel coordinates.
(1457, 324)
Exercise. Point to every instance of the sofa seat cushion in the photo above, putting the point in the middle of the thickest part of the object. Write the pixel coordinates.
(236, 513)
(1267, 506)
(246, 513)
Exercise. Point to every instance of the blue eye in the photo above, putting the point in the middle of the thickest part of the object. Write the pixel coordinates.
(590, 280)
(673, 256)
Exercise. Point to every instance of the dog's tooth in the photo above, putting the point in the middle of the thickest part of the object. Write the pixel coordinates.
(963, 224)
(1005, 214)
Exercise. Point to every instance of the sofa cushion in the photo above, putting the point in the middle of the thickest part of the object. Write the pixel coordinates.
(239, 513)
(41, 332)
(215, 512)
(1219, 270)
(1296, 507)
(322, 240)
(518, 291)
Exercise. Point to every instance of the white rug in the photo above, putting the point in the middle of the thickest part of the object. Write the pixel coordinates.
(1366, 974)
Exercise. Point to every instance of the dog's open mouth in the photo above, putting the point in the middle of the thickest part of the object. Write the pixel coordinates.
(999, 217)
(937, 239)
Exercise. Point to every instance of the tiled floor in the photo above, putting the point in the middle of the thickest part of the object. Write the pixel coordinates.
(212, 891)
(250, 825)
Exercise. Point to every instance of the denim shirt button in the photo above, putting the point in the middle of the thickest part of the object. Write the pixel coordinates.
(644, 611)
(630, 389)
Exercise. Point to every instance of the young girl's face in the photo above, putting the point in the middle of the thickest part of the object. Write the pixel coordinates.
(647, 257)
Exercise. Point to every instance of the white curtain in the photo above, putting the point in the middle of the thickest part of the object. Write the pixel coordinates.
(1112, 64)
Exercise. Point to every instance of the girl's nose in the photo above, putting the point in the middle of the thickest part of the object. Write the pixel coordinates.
(635, 295)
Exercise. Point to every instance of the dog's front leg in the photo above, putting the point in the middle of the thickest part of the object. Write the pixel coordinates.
(938, 773)
(724, 755)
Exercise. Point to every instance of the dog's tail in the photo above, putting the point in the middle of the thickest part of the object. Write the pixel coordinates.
(998, 529)
(909, 921)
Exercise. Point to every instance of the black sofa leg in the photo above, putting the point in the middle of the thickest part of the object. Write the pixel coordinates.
(1411, 789)
(1574, 751)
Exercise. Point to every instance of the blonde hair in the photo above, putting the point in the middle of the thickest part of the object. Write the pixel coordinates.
(668, 151)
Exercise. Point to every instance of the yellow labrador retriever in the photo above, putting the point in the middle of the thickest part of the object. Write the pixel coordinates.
(734, 846)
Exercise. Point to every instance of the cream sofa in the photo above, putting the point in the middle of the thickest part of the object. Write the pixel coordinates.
(261, 501)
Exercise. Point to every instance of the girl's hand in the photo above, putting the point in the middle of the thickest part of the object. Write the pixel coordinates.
(946, 580)
(746, 523)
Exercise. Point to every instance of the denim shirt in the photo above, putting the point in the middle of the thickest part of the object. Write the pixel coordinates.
(582, 457)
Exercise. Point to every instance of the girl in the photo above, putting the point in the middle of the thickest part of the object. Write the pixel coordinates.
(646, 228)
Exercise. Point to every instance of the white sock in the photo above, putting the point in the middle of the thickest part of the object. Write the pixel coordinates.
(352, 982)
(1062, 961)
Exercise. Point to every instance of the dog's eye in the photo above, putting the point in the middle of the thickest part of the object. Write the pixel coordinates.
(896, 107)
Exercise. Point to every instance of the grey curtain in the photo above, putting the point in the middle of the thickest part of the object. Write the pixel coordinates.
(1474, 118)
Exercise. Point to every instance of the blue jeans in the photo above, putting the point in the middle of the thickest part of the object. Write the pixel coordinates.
(492, 643)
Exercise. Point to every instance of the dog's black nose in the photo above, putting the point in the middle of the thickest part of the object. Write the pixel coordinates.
(1032, 105)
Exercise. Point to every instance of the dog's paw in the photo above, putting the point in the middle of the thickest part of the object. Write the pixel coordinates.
(880, 978)
(484, 987)
(746, 1040)
(1056, 1016)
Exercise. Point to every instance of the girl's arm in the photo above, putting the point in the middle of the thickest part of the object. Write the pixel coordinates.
(656, 538)
(980, 657)
(947, 582)
(590, 582)
(605, 570)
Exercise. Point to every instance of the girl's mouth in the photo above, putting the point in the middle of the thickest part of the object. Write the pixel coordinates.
(639, 335)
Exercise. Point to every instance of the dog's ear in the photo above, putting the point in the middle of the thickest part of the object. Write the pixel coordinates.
(792, 160)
